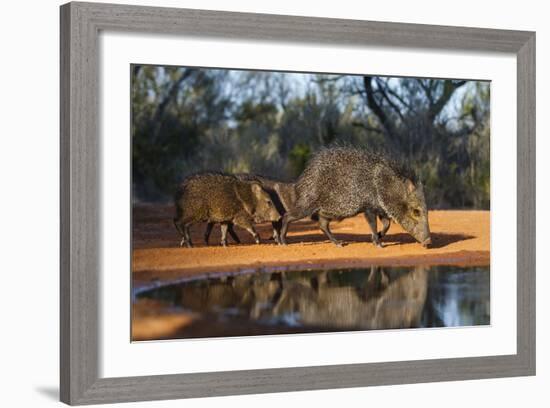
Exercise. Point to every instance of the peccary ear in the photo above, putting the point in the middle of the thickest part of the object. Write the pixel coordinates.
(410, 186)
(257, 190)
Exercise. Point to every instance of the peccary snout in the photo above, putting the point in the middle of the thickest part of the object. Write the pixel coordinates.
(413, 214)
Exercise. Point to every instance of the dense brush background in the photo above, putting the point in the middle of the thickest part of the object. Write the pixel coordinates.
(186, 120)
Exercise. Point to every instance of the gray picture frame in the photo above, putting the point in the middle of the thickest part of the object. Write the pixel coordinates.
(81, 24)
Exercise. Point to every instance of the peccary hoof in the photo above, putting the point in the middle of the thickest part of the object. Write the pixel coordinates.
(338, 243)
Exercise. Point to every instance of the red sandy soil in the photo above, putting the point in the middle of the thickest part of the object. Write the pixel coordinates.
(458, 238)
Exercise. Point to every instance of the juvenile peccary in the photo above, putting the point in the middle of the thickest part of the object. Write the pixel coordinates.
(341, 182)
(224, 199)
(282, 194)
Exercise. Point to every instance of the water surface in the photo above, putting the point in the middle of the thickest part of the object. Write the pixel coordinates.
(324, 300)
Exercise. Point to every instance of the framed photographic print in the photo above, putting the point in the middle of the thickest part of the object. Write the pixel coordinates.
(258, 203)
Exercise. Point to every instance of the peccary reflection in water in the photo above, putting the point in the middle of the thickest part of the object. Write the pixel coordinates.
(333, 300)
(356, 299)
(379, 304)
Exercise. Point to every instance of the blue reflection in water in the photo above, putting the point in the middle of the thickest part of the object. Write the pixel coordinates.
(333, 300)
(458, 296)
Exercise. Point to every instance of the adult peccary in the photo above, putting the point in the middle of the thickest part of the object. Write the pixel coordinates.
(224, 199)
(341, 182)
(282, 194)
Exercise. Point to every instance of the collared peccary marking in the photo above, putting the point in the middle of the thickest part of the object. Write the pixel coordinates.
(341, 182)
(283, 196)
(223, 199)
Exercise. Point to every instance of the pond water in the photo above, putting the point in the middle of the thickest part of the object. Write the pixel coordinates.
(329, 300)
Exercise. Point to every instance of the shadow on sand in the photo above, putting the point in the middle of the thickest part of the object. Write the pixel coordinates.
(439, 239)
(162, 234)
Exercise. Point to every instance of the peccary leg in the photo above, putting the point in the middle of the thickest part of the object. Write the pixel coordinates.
(276, 231)
(230, 229)
(287, 219)
(371, 219)
(324, 225)
(187, 236)
(386, 222)
(232, 233)
(180, 230)
(207, 232)
(177, 225)
(254, 234)
(247, 225)
(224, 228)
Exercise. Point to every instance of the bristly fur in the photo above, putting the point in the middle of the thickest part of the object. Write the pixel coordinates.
(216, 197)
(401, 167)
(342, 181)
(283, 195)
(193, 176)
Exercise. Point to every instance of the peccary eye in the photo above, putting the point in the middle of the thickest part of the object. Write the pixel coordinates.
(416, 212)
